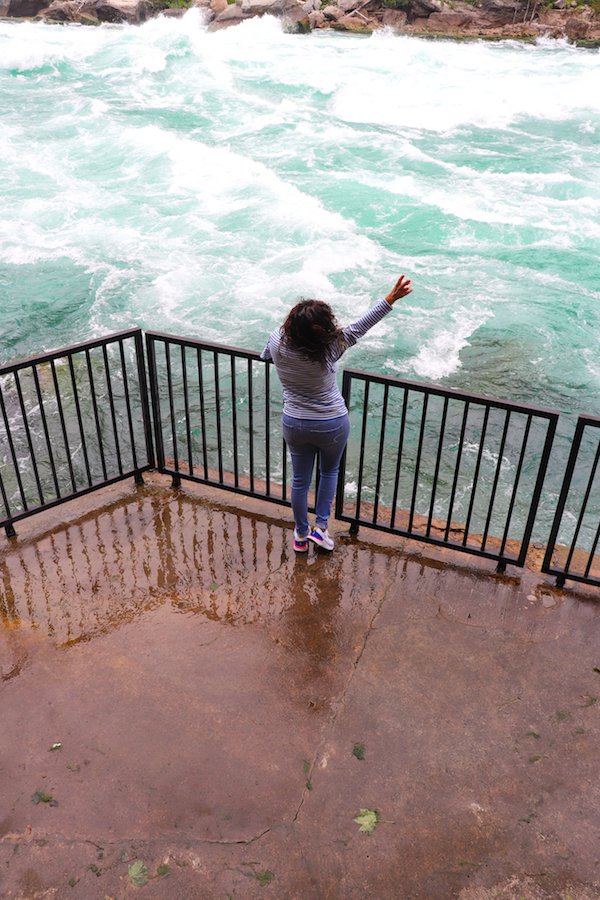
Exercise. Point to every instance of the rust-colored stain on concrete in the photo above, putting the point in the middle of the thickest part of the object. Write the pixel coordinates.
(182, 699)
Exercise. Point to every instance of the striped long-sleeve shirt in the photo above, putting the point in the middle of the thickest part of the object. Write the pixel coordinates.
(310, 389)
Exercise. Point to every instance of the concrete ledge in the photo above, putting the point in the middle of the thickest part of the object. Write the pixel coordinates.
(225, 709)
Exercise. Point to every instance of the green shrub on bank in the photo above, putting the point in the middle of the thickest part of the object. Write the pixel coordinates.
(171, 4)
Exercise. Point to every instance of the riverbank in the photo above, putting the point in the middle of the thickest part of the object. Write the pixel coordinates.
(488, 19)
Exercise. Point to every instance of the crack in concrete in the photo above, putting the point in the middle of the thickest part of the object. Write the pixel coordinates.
(338, 702)
(112, 845)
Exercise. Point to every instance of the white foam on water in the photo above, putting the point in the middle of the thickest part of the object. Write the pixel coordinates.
(438, 87)
(439, 355)
(21, 55)
(224, 182)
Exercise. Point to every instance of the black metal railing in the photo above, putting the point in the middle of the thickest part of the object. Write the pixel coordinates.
(72, 421)
(217, 417)
(443, 466)
(577, 519)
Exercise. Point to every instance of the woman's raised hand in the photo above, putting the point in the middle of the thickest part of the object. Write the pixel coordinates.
(400, 289)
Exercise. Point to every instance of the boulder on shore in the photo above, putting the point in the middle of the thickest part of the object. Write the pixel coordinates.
(23, 9)
(231, 15)
(133, 11)
(70, 11)
(449, 22)
(394, 18)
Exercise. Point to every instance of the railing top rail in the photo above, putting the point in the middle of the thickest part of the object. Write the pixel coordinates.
(68, 351)
(584, 420)
(453, 393)
(203, 345)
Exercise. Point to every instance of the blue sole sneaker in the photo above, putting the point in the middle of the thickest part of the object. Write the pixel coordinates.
(321, 538)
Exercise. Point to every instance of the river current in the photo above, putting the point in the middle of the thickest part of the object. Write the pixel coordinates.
(198, 183)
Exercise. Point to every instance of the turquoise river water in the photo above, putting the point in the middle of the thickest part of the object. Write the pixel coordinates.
(197, 183)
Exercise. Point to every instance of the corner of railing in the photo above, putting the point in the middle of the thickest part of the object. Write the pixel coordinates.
(159, 460)
(141, 367)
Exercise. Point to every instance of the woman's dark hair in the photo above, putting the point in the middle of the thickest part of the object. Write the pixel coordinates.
(310, 328)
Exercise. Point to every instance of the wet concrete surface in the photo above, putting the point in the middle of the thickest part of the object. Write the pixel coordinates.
(225, 709)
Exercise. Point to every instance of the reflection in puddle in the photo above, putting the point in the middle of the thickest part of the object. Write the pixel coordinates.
(158, 548)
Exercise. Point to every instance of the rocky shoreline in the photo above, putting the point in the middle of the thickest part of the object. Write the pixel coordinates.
(459, 19)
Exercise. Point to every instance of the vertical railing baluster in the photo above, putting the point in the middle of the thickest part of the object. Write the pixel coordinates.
(63, 425)
(461, 442)
(511, 505)
(584, 504)
(236, 480)
(537, 491)
(84, 452)
(146, 415)
(381, 444)
(363, 440)
(486, 416)
(399, 458)
(186, 405)
(113, 413)
(202, 413)
(562, 499)
(155, 397)
(413, 501)
(268, 427)
(437, 467)
(46, 432)
(251, 425)
(496, 481)
(36, 473)
(176, 476)
(96, 413)
(13, 455)
(341, 484)
(218, 414)
(128, 405)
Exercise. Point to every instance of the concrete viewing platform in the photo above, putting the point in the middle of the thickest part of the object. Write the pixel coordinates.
(190, 710)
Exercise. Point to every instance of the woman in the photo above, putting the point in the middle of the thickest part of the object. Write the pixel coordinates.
(305, 352)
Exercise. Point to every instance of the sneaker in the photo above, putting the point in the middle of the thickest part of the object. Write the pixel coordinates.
(300, 543)
(321, 538)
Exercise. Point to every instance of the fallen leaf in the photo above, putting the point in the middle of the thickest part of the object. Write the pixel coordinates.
(367, 820)
(138, 873)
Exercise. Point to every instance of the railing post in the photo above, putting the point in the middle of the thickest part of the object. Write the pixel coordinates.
(155, 400)
(339, 493)
(141, 368)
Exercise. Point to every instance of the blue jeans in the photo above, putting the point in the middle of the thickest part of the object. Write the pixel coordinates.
(305, 438)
